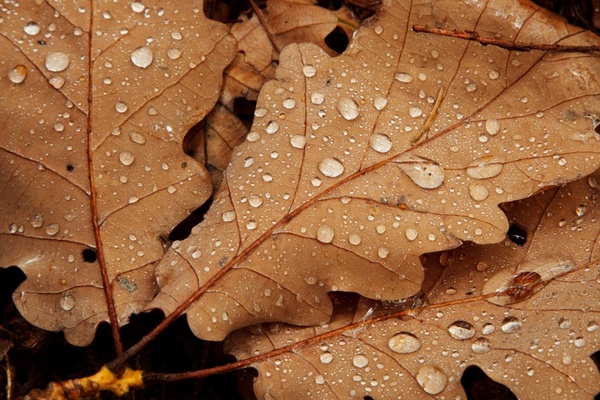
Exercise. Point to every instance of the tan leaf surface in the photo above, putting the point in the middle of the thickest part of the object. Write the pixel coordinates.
(536, 338)
(96, 100)
(331, 192)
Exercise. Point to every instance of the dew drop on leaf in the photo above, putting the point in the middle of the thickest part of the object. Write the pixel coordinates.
(272, 127)
(481, 345)
(379, 103)
(348, 108)
(142, 57)
(57, 61)
(317, 98)
(380, 143)
(325, 234)
(404, 78)
(67, 301)
(415, 112)
(360, 361)
(461, 330)
(17, 74)
(228, 216)
(354, 239)
(121, 107)
(326, 358)
(492, 126)
(411, 234)
(478, 192)
(331, 167)
(298, 141)
(126, 158)
(52, 229)
(511, 324)
(488, 329)
(32, 28)
(309, 71)
(137, 137)
(289, 103)
(57, 82)
(432, 379)
(404, 343)
(37, 220)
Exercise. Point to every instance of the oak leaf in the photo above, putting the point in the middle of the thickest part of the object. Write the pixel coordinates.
(403, 145)
(96, 101)
(536, 336)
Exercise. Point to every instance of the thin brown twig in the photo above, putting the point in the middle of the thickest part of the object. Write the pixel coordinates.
(505, 44)
(265, 25)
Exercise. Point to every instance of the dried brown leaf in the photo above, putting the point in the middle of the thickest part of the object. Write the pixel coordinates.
(96, 101)
(403, 145)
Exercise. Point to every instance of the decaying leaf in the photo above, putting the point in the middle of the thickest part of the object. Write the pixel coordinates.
(96, 100)
(538, 344)
(403, 145)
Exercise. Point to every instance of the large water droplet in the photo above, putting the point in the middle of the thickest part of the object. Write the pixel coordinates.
(289, 103)
(142, 57)
(481, 345)
(37, 220)
(461, 330)
(67, 301)
(404, 78)
(57, 61)
(379, 103)
(325, 234)
(32, 28)
(492, 126)
(432, 379)
(411, 234)
(424, 173)
(415, 112)
(228, 216)
(17, 74)
(354, 239)
(272, 127)
(317, 98)
(331, 167)
(326, 358)
(121, 107)
(309, 71)
(485, 167)
(380, 143)
(255, 201)
(360, 361)
(137, 137)
(348, 108)
(126, 158)
(404, 343)
(52, 229)
(511, 324)
(298, 141)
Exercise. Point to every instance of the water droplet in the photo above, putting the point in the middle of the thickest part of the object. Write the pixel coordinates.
(432, 379)
(348, 108)
(492, 126)
(485, 167)
(253, 136)
(424, 173)
(37, 220)
(196, 254)
(382, 252)
(461, 330)
(57, 61)
(17, 74)
(126, 158)
(581, 210)
(272, 127)
(325, 234)
(319, 380)
(121, 107)
(380, 102)
(579, 342)
(316, 181)
(404, 78)
(415, 112)
(511, 324)
(267, 177)
(251, 225)
(478, 192)
(380, 143)
(289, 103)
(57, 82)
(354, 239)
(137, 6)
(32, 28)
(411, 234)
(326, 358)
(331, 167)
(176, 35)
(360, 361)
(67, 301)
(317, 98)
(309, 71)
(255, 201)
(137, 137)
(52, 229)
(404, 343)
(493, 74)
(488, 329)
(174, 54)
(298, 141)
(481, 345)
(228, 216)
(142, 57)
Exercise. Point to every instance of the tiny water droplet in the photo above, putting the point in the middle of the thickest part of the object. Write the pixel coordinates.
(316, 181)
(126, 158)
(32, 28)
(319, 380)
(348, 108)
(251, 225)
(52, 229)
(325, 234)
(354, 239)
(461, 330)
(331, 167)
(511, 324)
(382, 252)
(17, 74)
(57, 61)
(228, 216)
(67, 301)
(493, 74)
(37, 220)
(121, 107)
(581, 210)
(404, 343)
(432, 379)
(380, 143)
(142, 57)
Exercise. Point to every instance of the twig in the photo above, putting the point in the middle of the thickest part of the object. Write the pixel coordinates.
(431, 118)
(505, 44)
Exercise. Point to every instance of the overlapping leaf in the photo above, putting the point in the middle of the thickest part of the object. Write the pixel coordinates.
(96, 100)
(403, 145)
(536, 338)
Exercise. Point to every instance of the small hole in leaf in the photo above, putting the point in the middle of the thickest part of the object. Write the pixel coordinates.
(42, 42)
(70, 167)
(479, 386)
(368, 398)
(517, 234)
(89, 255)
(597, 129)
(337, 40)
(184, 228)
(244, 108)
(330, 4)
